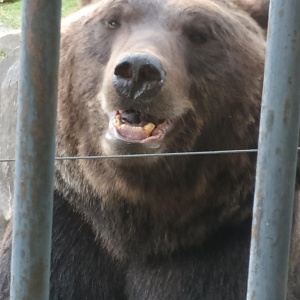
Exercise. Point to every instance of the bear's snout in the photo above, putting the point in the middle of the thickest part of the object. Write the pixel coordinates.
(138, 76)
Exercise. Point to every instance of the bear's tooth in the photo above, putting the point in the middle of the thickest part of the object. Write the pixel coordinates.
(118, 121)
(148, 128)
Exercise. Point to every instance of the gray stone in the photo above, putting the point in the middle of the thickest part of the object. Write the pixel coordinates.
(9, 39)
(7, 62)
(9, 77)
(9, 74)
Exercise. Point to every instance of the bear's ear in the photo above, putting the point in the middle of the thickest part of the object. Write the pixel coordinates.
(258, 10)
(84, 2)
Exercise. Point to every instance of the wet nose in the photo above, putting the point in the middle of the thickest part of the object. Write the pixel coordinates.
(138, 76)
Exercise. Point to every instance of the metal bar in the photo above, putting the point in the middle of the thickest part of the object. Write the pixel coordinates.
(32, 220)
(277, 155)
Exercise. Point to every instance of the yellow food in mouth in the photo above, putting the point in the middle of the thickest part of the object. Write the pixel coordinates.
(147, 129)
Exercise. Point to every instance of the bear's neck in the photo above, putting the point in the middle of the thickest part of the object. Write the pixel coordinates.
(168, 215)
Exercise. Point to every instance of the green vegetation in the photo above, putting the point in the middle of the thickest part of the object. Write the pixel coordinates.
(68, 6)
(10, 12)
(2, 54)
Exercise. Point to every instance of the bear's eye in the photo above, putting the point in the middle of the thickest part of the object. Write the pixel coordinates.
(196, 36)
(113, 24)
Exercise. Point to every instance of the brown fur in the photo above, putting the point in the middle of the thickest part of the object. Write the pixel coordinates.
(210, 118)
(84, 2)
(175, 226)
(258, 9)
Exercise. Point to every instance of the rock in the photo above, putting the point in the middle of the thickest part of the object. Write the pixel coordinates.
(9, 76)
(9, 40)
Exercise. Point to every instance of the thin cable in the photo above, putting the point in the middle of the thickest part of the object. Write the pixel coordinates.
(149, 155)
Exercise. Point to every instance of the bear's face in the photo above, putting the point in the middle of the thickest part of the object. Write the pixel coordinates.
(158, 76)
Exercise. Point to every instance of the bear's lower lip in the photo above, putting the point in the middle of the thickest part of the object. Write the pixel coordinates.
(144, 132)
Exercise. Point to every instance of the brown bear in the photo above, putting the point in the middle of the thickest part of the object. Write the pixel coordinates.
(154, 77)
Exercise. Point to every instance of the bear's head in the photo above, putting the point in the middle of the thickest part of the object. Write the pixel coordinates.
(151, 77)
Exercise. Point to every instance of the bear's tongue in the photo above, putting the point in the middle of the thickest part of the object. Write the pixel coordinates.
(131, 126)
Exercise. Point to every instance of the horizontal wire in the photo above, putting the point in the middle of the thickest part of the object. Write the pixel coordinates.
(145, 155)
(149, 155)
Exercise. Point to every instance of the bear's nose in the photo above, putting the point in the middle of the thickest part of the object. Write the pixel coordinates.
(138, 76)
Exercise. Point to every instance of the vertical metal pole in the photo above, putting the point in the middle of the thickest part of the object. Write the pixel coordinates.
(30, 271)
(276, 165)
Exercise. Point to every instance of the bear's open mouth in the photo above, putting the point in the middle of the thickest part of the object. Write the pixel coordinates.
(136, 127)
